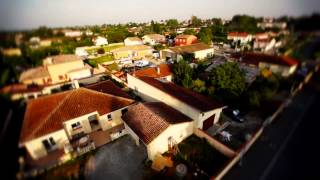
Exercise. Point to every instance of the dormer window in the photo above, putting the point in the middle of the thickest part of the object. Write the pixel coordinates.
(76, 125)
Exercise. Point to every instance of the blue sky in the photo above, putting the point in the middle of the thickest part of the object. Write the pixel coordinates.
(27, 14)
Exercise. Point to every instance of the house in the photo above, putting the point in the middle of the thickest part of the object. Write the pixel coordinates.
(264, 42)
(157, 125)
(82, 51)
(11, 51)
(72, 33)
(100, 41)
(271, 23)
(153, 39)
(185, 39)
(204, 111)
(71, 123)
(283, 65)
(133, 51)
(243, 37)
(162, 71)
(198, 51)
(56, 69)
(18, 91)
(131, 41)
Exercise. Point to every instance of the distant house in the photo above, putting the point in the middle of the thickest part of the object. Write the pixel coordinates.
(243, 37)
(184, 39)
(56, 69)
(198, 51)
(81, 51)
(22, 91)
(74, 121)
(100, 41)
(153, 39)
(131, 41)
(264, 42)
(271, 23)
(163, 71)
(71, 33)
(282, 65)
(204, 111)
(132, 51)
(11, 51)
(157, 125)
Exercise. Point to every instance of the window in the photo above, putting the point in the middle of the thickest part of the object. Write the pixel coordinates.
(124, 111)
(109, 117)
(76, 125)
(60, 77)
(49, 144)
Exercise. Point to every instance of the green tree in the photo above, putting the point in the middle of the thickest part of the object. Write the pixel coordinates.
(244, 23)
(182, 69)
(190, 31)
(195, 21)
(228, 80)
(187, 81)
(205, 35)
(199, 86)
(172, 24)
(219, 33)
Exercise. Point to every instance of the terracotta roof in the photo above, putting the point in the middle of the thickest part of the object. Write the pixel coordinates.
(256, 58)
(109, 88)
(149, 120)
(190, 48)
(238, 34)
(185, 36)
(33, 73)
(133, 39)
(165, 70)
(46, 114)
(20, 88)
(187, 96)
(132, 48)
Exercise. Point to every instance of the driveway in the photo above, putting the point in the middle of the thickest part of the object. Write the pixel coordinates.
(120, 159)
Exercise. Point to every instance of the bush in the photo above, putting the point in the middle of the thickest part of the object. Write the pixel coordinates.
(100, 51)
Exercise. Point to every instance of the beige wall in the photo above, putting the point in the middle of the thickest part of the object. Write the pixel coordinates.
(83, 73)
(62, 69)
(116, 119)
(39, 81)
(134, 136)
(178, 132)
(204, 53)
(152, 94)
(36, 148)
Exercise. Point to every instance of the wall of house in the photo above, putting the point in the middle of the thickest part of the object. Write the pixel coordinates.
(134, 136)
(39, 81)
(152, 94)
(204, 116)
(62, 69)
(79, 74)
(167, 53)
(204, 53)
(144, 53)
(115, 119)
(122, 54)
(36, 148)
(178, 132)
(128, 42)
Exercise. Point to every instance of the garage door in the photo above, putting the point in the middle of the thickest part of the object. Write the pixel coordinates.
(208, 123)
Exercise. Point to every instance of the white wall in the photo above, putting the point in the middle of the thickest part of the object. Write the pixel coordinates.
(84, 122)
(132, 134)
(83, 73)
(36, 148)
(204, 53)
(160, 144)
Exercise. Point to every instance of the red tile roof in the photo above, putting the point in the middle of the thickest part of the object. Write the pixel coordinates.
(256, 58)
(20, 88)
(46, 114)
(238, 34)
(165, 70)
(108, 87)
(149, 120)
(187, 96)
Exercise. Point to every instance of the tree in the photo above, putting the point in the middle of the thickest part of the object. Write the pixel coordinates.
(181, 71)
(198, 86)
(228, 80)
(205, 35)
(195, 21)
(187, 81)
(155, 27)
(244, 23)
(172, 24)
(189, 31)
(100, 51)
(219, 33)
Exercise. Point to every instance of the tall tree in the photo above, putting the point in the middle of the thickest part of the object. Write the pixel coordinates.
(172, 24)
(195, 21)
(181, 71)
(205, 35)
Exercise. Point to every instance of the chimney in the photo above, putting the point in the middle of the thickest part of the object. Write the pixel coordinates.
(158, 69)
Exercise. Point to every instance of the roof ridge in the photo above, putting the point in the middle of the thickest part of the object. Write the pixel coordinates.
(52, 112)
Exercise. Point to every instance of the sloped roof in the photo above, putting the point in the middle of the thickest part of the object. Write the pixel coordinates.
(190, 48)
(256, 58)
(64, 58)
(185, 95)
(46, 114)
(109, 88)
(165, 70)
(149, 120)
(33, 73)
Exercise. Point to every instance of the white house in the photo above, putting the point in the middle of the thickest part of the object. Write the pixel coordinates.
(72, 121)
(157, 125)
(81, 51)
(130, 41)
(204, 111)
(243, 37)
(153, 39)
(100, 41)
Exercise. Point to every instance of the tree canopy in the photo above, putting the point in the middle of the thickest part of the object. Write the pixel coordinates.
(244, 23)
(172, 24)
(205, 35)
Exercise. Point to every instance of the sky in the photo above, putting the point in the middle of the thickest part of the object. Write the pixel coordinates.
(29, 14)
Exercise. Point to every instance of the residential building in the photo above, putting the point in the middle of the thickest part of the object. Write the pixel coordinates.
(283, 65)
(185, 39)
(82, 51)
(204, 111)
(11, 51)
(56, 69)
(71, 123)
(198, 51)
(271, 23)
(162, 71)
(100, 41)
(133, 51)
(243, 37)
(72, 33)
(157, 125)
(153, 39)
(131, 41)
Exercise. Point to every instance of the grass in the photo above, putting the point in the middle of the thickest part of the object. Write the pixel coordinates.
(94, 62)
(107, 48)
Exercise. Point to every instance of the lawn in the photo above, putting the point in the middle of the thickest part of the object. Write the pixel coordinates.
(198, 153)
(107, 48)
(94, 62)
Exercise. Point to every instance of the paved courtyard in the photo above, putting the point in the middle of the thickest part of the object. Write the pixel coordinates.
(120, 159)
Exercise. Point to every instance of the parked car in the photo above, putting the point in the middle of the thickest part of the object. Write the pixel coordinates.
(234, 114)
